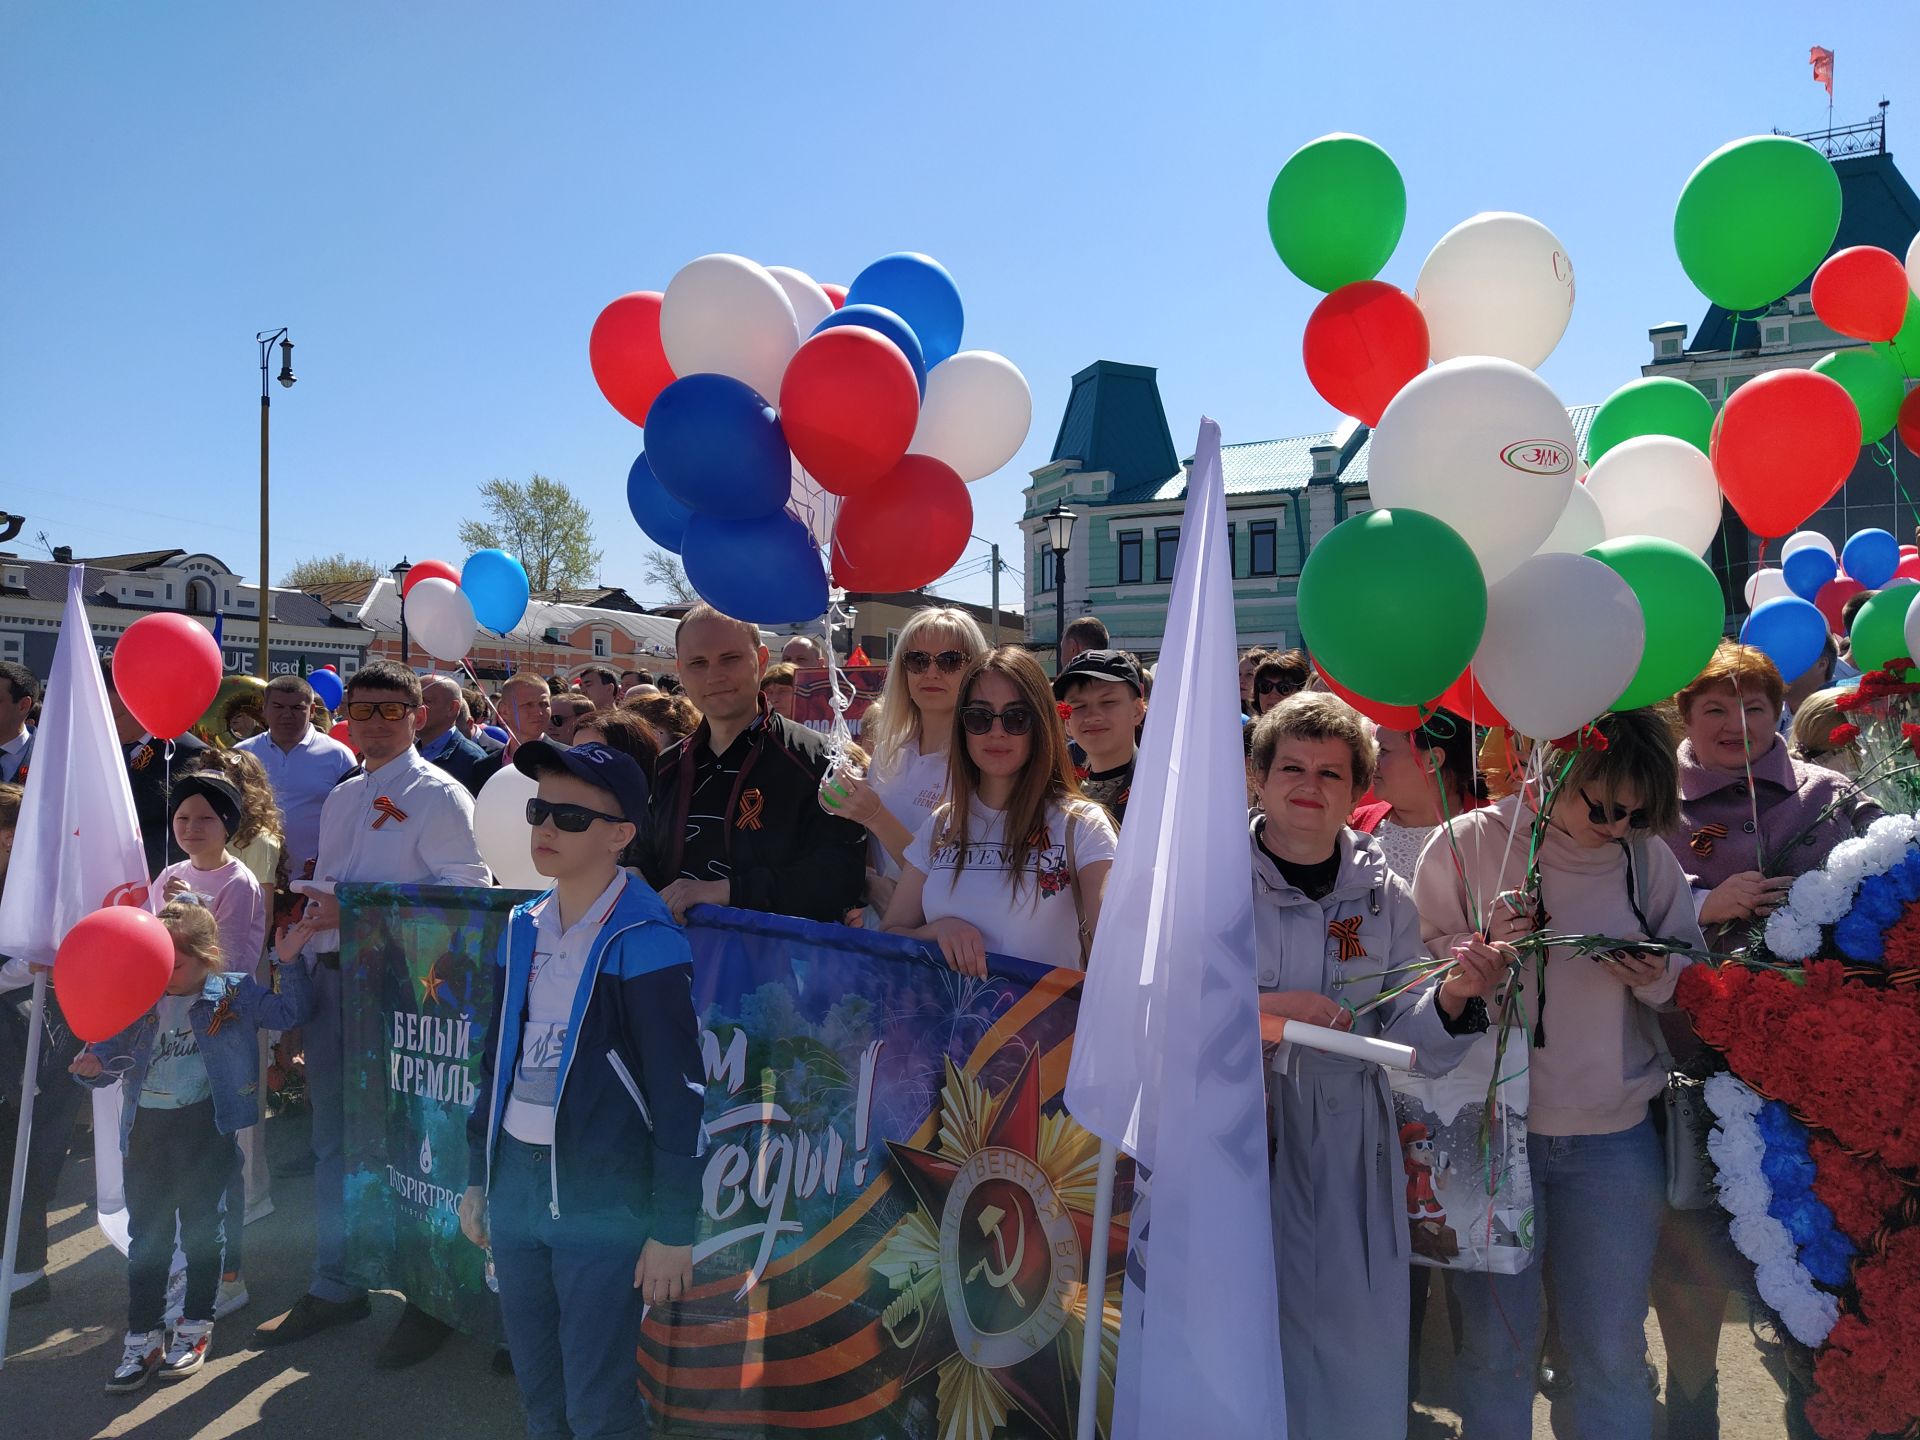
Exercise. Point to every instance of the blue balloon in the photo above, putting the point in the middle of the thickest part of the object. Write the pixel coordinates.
(496, 585)
(1871, 557)
(497, 732)
(327, 686)
(1810, 567)
(919, 290)
(718, 448)
(767, 570)
(884, 322)
(1792, 633)
(658, 514)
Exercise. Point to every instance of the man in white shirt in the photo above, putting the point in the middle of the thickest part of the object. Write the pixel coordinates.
(303, 765)
(19, 692)
(404, 821)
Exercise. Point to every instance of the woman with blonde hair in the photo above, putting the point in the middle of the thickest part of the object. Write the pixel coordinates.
(1014, 860)
(1812, 739)
(909, 740)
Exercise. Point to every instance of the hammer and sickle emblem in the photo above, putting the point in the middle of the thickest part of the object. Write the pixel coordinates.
(1002, 1279)
(907, 1305)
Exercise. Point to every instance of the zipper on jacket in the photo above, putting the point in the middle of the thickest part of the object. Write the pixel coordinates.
(626, 1079)
(560, 1087)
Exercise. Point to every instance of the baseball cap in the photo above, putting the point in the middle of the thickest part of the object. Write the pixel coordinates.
(614, 771)
(1116, 666)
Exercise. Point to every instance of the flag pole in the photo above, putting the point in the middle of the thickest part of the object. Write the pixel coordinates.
(1096, 1296)
(23, 1135)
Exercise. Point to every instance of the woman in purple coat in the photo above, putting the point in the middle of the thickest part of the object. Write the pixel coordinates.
(1753, 818)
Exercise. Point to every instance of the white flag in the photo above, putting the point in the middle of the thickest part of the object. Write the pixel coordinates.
(76, 850)
(1166, 1055)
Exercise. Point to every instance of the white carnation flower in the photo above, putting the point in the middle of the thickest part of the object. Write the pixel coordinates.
(1898, 830)
(1763, 1240)
(1847, 861)
(1884, 850)
(1730, 1097)
(1745, 1194)
(1791, 936)
(1820, 897)
(1807, 1313)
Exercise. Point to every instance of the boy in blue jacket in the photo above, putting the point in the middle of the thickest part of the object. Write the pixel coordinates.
(585, 1157)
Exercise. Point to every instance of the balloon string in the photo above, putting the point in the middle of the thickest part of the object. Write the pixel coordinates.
(166, 781)
(1890, 462)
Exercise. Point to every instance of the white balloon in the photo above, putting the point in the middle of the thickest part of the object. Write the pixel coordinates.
(440, 617)
(1912, 627)
(1579, 527)
(1765, 585)
(1497, 284)
(1801, 539)
(725, 315)
(975, 414)
(500, 826)
(1657, 485)
(811, 304)
(1564, 637)
(1913, 265)
(1483, 444)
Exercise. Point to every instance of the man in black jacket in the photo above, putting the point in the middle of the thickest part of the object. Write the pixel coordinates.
(736, 818)
(441, 739)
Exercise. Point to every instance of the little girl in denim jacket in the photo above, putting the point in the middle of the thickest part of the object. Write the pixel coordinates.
(189, 1069)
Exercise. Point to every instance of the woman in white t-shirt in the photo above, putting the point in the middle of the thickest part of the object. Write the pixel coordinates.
(1015, 861)
(908, 777)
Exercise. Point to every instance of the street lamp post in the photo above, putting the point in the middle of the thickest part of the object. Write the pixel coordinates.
(265, 339)
(1060, 522)
(400, 593)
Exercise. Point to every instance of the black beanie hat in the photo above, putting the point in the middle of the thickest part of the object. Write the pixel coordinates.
(218, 791)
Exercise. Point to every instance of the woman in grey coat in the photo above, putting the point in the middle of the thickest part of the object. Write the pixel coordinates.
(1328, 918)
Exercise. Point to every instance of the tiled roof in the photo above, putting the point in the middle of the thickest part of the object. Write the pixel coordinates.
(47, 580)
(1877, 207)
(139, 560)
(341, 592)
(1263, 467)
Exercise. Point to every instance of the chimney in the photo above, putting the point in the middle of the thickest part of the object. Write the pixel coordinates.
(63, 554)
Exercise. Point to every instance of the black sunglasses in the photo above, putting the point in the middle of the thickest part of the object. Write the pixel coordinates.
(1274, 687)
(949, 661)
(1016, 720)
(571, 818)
(1613, 815)
(388, 709)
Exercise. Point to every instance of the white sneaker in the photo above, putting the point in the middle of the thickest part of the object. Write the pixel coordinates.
(188, 1352)
(176, 1304)
(139, 1359)
(231, 1296)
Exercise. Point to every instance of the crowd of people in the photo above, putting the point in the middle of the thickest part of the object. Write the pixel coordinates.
(979, 813)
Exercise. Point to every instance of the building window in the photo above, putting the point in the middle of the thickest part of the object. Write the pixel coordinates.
(1773, 335)
(1669, 347)
(1046, 569)
(1129, 557)
(1734, 382)
(1233, 552)
(600, 648)
(1263, 546)
(1708, 387)
(893, 639)
(1358, 500)
(1166, 551)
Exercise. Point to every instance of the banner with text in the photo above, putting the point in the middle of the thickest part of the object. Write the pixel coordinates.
(897, 1215)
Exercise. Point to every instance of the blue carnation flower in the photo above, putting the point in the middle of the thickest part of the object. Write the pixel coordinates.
(1789, 1174)
(1780, 1129)
(1829, 1260)
(1906, 876)
(1878, 900)
(1861, 937)
(1807, 1219)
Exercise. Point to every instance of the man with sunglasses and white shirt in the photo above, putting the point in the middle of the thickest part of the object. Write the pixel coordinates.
(401, 821)
(735, 816)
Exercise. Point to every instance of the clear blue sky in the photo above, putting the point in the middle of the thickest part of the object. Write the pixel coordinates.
(438, 198)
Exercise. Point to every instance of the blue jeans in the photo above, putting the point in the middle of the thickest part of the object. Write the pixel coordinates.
(568, 1304)
(1598, 1201)
(325, 1077)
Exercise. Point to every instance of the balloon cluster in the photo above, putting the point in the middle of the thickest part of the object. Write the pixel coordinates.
(446, 608)
(1492, 581)
(1798, 603)
(783, 416)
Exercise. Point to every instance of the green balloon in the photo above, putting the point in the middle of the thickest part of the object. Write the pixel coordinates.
(1659, 406)
(1903, 351)
(1756, 219)
(1879, 631)
(1336, 211)
(1875, 384)
(1684, 611)
(1393, 602)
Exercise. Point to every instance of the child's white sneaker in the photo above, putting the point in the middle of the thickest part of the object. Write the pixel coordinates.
(188, 1352)
(142, 1356)
(231, 1296)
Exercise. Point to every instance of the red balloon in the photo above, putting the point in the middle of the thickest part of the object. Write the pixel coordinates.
(111, 969)
(1907, 569)
(1394, 717)
(339, 732)
(1465, 697)
(167, 670)
(849, 403)
(1862, 291)
(836, 293)
(1363, 343)
(329, 667)
(1907, 423)
(426, 570)
(1832, 595)
(904, 532)
(1782, 445)
(624, 350)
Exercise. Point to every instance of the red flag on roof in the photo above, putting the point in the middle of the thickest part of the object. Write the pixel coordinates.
(858, 657)
(1822, 59)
